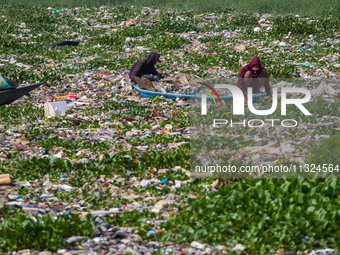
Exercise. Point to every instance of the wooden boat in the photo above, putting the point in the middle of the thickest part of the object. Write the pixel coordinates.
(148, 93)
(8, 96)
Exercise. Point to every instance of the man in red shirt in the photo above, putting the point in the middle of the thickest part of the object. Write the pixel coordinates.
(253, 75)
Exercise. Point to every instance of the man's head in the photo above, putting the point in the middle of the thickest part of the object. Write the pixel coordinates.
(255, 64)
(153, 58)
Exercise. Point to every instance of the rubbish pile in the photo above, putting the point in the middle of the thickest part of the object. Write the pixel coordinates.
(86, 144)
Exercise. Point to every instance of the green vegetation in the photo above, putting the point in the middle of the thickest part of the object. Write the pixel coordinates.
(132, 218)
(304, 7)
(19, 231)
(104, 158)
(263, 215)
(328, 151)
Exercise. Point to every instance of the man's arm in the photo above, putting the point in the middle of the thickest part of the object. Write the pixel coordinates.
(240, 81)
(240, 84)
(154, 71)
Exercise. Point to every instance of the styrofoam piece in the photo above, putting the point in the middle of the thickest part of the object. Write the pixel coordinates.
(54, 109)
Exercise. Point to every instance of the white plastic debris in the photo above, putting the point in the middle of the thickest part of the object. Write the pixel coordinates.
(55, 109)
(158, 206)
(324, 88)
(64, 187)
(178, 184)
(324, 252)
(47, 184)
(168, 127)
(256, 157)
(114, 210)
(219, 247)
(197, 245)
(24, 252)
(257, 29)
(59, 154)
(271, 148)
(238, 247)
(144, 183)
(100, 213)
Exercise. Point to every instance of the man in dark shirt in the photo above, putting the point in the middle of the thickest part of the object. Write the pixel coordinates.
(253, 75)
(146, 68)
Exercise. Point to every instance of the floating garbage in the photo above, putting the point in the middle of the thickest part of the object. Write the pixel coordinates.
(5, 179)
(55, 109)
(324, 252)
(88, 145)
(197, 245)
(324, 89)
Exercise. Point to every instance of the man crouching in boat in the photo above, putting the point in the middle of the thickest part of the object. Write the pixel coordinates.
(146, 69)
(253, 75)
